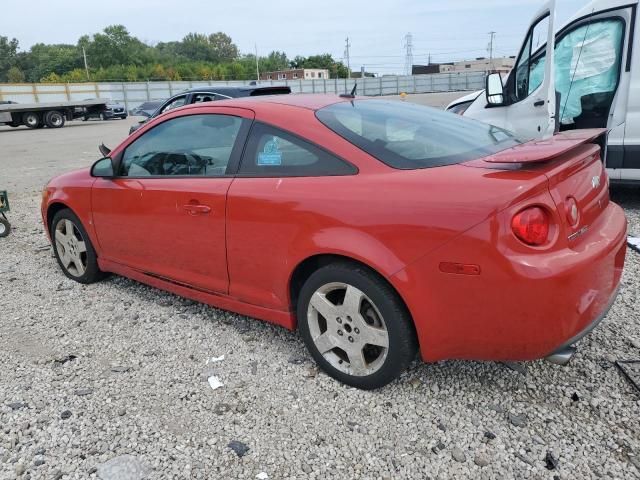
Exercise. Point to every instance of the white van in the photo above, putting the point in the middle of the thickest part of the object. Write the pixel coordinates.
(592, 81)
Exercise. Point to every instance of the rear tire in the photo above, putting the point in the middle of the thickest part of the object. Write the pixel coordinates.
(5, 227)
(73, 248)
(355, 325)
(54, 119)
(32, 120)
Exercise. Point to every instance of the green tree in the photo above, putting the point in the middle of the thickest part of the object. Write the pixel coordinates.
(8, 56)
(222, 47)
(15, 75)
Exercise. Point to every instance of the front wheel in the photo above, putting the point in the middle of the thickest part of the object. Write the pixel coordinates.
(5, 227)
(355, 326)
(73, 249)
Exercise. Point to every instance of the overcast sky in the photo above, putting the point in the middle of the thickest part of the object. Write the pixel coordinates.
(449, 30)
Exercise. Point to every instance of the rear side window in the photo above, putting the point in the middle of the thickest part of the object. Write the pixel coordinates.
(409, 136)
(272, 152)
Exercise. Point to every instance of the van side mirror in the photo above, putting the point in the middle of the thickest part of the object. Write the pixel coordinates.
(494, 89)
(103, 168)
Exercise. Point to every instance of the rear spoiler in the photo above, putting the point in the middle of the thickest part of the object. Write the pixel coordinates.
(545, 150)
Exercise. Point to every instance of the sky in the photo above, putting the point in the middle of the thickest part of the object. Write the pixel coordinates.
(446, 30)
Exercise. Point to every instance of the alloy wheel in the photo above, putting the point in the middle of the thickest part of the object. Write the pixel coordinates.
(71, 248)
(347, 329)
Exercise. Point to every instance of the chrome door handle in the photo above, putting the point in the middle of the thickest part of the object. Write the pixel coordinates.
(197, 209)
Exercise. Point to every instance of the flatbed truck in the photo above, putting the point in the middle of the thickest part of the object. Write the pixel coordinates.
(52, 115)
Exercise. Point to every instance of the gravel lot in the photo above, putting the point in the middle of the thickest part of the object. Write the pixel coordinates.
(110, 377)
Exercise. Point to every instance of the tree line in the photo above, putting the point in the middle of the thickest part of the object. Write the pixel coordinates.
(115, 55)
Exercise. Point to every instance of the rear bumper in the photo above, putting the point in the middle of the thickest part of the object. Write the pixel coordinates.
(523, 305)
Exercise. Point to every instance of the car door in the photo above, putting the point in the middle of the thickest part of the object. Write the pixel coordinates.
(529, 106)
(164, 212)
(267, 214)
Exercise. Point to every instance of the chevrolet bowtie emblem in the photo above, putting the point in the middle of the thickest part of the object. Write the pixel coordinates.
(595, 182)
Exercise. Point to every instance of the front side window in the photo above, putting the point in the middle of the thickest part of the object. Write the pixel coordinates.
(272, 152)
(175, 103)
(409, 136)
(193, 145)
(587, 63)
(537, 38)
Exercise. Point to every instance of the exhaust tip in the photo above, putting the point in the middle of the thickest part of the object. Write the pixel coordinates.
(563, 356)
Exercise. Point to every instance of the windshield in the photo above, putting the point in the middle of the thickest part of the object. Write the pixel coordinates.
(409, 136)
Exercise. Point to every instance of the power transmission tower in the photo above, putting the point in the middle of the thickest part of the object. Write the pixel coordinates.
(408, 57)
(86, 65)
(492, 36)
(347, 46)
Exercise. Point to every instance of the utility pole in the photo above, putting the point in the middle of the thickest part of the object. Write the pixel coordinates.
(347, 46)
(408, 57)
(491, 35)
(257, 64)
(86, 66)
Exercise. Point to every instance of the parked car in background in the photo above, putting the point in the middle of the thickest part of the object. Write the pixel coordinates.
(111, 111)
(210, 94)
(376, 227)
(146, 109)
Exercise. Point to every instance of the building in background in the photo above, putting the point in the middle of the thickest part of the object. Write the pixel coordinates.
(481, 64)
(296, 74)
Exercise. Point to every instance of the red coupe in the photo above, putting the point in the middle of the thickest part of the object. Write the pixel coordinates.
(377, 228)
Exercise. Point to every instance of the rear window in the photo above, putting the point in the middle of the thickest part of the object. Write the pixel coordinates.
(270, 91)
(409, 136)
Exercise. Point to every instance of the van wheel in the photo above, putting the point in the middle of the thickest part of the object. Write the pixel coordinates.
(32, 119)
(54, 119)
(355, 326)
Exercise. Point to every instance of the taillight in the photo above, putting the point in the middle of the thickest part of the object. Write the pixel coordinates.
(531, 226)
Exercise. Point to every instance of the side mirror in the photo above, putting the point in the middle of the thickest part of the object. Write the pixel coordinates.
(494, 89)
(103, 168)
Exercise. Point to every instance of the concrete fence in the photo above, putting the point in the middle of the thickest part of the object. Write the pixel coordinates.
(133, 94)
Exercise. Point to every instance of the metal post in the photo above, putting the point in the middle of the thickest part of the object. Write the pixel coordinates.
(414, 84)
(35, 93)
(148, 93)
(124, 94)
(313, 85)
(324, 83)
(300, 86)
(397, 86)
(66, 90)
(170, 89)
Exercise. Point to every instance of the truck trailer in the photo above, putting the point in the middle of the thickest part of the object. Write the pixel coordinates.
(52, 115)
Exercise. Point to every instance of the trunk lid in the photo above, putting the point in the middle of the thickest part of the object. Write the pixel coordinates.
(577, 179)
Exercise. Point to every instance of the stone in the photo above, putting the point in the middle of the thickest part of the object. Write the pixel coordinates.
(124, 467)
(458, 455)
(239, 448)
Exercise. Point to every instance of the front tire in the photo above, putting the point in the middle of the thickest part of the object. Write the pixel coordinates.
(5, 227)
(73, 248)
(355, 325)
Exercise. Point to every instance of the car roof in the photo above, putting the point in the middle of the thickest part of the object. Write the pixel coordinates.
(238, 91)
(310, 101)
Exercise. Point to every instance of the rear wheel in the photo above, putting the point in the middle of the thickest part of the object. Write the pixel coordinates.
(54, 119)
(355, 326)
(32, 119)
(73, 249)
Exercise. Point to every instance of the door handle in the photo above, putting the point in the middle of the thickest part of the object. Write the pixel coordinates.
(197, 209)
(539, 103)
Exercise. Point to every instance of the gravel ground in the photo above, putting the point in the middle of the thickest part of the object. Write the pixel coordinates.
(110, 380)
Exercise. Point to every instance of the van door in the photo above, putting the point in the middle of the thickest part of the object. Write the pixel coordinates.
(529, 100)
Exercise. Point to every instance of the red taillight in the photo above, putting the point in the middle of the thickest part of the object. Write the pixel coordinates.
(531, 226)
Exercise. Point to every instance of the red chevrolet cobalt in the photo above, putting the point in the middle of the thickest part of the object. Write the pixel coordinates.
(377, 228)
